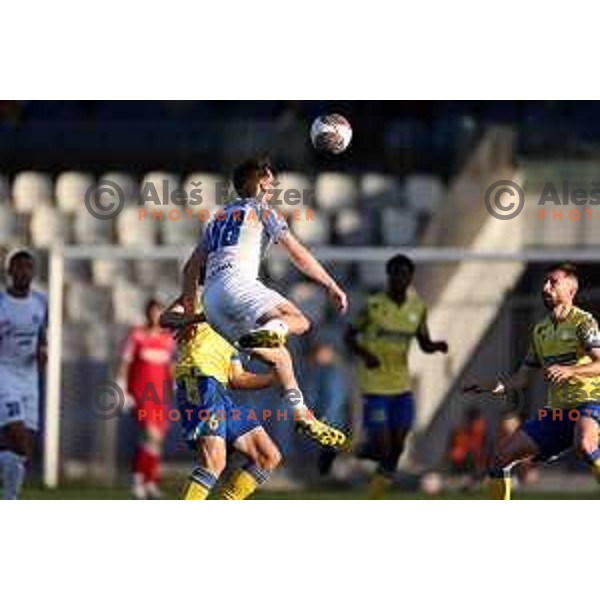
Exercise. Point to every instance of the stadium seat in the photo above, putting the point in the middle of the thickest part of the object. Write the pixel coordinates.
(376, 186)
(154, 186)
(312, 227)
(352, 227)
(72, 343)
(372, 275)
(146, 272)
(86, 303)
(48, 226)
(8, 224)
(106, 272)
(302, 185)
(278, 265)
(175, 232)
(70, 190)
(89, 230)
(30, 190)
(135, 231)
(334, 191)
(311, 299)
(4, 189)
(124, 181)
(424, 192)
(398, 227)
(98, 341)
(209, 186)
(128, 302)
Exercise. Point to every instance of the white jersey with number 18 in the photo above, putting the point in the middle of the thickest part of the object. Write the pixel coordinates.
(237, 237)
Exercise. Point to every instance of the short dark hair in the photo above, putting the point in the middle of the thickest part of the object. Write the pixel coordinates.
(18, 254)
(152, 302)
(399, 260)
(568, 268)
(247, 175)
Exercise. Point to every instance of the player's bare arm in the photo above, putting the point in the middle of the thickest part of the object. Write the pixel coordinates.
(518, 381)
(193, 273)
(173, 316)
(426, 343)
(305, 261)
(240, 379)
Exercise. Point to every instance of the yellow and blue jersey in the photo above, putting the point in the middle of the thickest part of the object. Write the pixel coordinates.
(203, 372)
(386, 329)
(567, 343)
(206, 353)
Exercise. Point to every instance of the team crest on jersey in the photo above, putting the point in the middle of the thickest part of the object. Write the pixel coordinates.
(567, 335)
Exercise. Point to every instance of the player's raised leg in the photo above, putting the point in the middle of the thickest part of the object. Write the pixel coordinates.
(275, 325)
(306, 422)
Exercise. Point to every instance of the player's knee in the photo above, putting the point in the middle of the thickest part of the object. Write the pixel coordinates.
(17, 440)
(269, 459)
(304, 324)
(586, 446)
(212, 458)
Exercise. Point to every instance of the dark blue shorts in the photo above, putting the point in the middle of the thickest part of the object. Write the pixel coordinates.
(553, 430)
(392, 412)
(206, 409)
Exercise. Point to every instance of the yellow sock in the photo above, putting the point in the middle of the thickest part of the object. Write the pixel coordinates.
(499, 484)
(243, 483)
(199, 484)
(378, 486)
(194, 491)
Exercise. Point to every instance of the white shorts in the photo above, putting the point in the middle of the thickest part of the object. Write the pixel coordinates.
(20, 405)
(233, 308)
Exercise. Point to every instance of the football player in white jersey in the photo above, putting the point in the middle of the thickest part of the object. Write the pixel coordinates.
(23, 321)
(237, 304)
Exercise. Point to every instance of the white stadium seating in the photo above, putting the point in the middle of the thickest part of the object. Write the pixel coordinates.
(8, 223)
(89, 230)
(375, 186)
(48, 226)
(107, 272)
(335, 191)
(398, 226)
(70, 190)
(132, 230)
(424, 193)
(312, 226)
(124, 181)
(30, 190)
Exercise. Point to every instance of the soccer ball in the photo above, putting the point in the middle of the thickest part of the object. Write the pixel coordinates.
(331, 133)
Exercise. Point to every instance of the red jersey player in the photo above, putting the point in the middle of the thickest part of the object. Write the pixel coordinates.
(146, 373)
